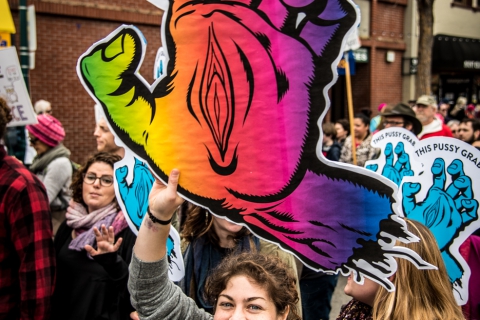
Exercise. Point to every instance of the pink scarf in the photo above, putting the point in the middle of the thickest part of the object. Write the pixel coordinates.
(83, 222)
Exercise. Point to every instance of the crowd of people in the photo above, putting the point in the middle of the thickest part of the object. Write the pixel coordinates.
(425, 119)
(67, 252)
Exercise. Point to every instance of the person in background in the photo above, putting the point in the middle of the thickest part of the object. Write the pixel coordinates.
(330, 147)
(387, 109)
(412, 103)
(425, 110)
(43, 107)
(453, 125)
(343, 130)
(92, 271)
(458, 111)
(476, 144)
(443, 111)
(52, 164)
(402, 116)
(244, 286)
(27, 256)
(363, 138)
(376, 120)
(419, 294)
(104, 137)
(470, 111)
(469, 130)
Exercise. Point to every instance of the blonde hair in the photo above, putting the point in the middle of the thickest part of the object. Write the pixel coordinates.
(419, 294)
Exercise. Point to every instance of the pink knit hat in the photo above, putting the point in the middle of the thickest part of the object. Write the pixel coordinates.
(48, 130)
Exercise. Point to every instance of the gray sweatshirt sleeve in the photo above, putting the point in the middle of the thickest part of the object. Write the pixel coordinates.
(154, 296)
(57, 179)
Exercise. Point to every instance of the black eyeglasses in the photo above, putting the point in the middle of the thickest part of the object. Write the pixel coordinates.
(105, 181)
(393, 123)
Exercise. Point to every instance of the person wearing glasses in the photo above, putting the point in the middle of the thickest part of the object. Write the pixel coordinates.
(52, 164)
(402, 116)
(92, 272)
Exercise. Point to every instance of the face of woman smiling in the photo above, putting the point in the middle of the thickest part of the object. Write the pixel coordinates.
(244, 299)
(95, 195)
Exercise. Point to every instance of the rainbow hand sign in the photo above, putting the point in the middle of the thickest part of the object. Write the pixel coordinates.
(238, 112)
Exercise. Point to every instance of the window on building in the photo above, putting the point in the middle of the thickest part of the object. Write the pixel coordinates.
(467, 4)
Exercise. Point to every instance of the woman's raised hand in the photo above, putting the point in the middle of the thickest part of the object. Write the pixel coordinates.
(164, 200)
(152, 237)
(105, 241)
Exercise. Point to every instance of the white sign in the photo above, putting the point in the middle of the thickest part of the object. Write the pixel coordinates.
(14, 90)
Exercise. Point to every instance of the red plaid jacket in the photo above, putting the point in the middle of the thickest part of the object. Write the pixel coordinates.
(27, 257)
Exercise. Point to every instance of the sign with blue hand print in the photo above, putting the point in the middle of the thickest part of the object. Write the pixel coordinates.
(394, 162)
(436, 189)
(133, 181)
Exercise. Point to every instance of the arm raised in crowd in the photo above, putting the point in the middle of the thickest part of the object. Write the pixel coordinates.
(153, 295)
(152, 237)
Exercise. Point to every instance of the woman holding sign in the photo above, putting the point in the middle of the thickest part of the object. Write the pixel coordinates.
(246, 285)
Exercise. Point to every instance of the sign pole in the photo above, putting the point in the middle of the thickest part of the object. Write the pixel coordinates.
(350, 107)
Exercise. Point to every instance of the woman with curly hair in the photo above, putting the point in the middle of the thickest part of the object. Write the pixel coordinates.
(247, 285)
(419, 294)
(207, 240)
(92, 271)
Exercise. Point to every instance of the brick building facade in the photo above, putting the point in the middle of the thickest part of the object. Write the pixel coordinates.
(65, 30)
(378, 80)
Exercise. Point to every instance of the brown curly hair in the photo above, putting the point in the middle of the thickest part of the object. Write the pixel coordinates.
(269, 272)
(77, 181)
(5, 115)
(199, 222)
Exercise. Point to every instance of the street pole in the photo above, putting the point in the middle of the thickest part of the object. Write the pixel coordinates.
(24, 54)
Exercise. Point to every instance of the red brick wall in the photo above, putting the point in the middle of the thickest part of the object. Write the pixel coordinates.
(389, 22)
(60, 41)
(387, 82)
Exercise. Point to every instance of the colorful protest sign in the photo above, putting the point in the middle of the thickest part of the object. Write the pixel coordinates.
(133, 181)
(238, 112)
(437, 188)
(14, 90)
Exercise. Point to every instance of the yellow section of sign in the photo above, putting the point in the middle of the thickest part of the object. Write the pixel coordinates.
(6, 21)
(5, 39)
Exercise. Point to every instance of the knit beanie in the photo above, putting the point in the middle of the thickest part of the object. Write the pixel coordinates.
(48, 130)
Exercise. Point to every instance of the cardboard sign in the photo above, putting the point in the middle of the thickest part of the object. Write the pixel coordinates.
(14, 90)
(437, 188)
(238, 112)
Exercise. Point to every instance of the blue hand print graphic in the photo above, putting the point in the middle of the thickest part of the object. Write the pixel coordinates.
(446, 210)
(135, 195)
(395, 170)
(134, 198)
